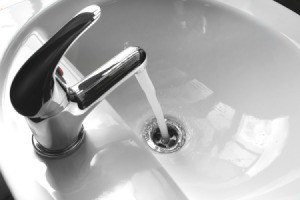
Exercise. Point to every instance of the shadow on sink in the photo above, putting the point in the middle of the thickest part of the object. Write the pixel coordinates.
(114, 167)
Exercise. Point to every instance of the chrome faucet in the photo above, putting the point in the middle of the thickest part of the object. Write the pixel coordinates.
(54, 110)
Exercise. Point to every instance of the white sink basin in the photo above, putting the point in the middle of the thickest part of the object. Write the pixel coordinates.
(227, 69)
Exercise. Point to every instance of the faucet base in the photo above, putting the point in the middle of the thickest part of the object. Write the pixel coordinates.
(48, 153)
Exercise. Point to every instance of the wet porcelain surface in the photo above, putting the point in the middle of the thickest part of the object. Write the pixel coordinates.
(224, 68)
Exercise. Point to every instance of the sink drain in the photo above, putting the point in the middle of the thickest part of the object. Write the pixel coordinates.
(153, 138)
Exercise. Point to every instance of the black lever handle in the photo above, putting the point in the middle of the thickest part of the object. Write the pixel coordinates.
(33, 84)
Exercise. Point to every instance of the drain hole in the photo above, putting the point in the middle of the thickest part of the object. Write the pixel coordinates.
(155, 141)
(165, 143)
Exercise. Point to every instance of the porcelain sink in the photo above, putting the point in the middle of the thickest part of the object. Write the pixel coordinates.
(228, 70)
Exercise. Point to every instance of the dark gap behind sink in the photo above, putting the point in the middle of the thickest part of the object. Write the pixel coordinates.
(293, 5)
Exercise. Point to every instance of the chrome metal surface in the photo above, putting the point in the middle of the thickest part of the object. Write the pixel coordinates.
(152, 136)
(58, 133)
(101, 82)
(57, 125)
(33, 92)
(59, 153)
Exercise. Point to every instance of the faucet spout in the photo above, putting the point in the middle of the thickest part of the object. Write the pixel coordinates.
(96, 86)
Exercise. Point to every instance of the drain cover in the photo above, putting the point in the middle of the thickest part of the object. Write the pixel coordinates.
(153, 138)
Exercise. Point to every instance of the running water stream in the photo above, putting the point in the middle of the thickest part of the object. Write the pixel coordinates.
(149, 90)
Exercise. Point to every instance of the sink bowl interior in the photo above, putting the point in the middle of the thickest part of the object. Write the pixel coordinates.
(232, 82)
